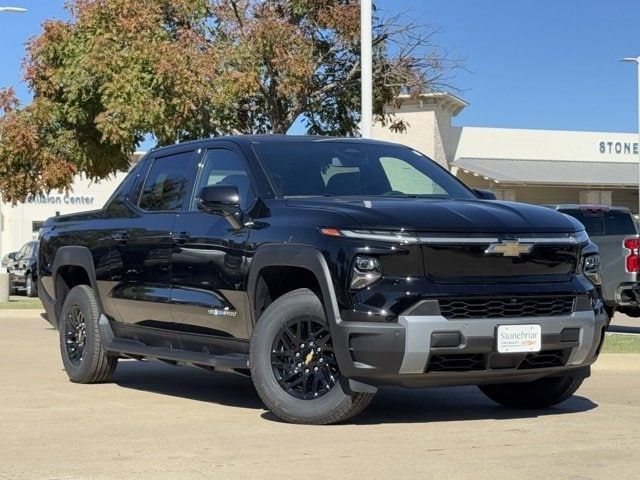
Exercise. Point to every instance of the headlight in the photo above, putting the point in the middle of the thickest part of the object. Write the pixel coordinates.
(581, 237)
(365, 271)
(591, 268)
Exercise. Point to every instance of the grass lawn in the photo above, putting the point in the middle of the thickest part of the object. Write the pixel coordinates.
(21, 304)
(621, 344)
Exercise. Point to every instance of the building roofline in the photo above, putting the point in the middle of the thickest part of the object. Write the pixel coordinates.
(445, 100)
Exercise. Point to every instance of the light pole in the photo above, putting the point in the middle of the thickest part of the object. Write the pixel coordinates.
(13, 9)
(637, 62)
(366, 68)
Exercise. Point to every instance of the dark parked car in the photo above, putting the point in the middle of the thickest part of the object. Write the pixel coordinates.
(23, 270)
(9, 257)
(613, 230)
(324, 268)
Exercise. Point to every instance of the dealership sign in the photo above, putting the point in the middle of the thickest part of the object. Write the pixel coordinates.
(60, 200)
(621, 148)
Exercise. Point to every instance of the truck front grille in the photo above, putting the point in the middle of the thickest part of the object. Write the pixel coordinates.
(456, 362)
(506, 307)
(544, 359)
(466, 362)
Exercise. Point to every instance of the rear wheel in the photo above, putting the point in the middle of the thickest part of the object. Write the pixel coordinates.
(541, 393)
(293, 365)
(83, 355)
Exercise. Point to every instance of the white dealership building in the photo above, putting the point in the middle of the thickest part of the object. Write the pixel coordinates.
(20, 223)
(535, 166)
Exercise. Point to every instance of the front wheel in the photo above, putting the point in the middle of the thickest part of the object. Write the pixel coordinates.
(293, 366)
(542, 393)
(31, 289)
(12, 288)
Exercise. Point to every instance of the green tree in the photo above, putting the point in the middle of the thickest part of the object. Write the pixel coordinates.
(121, 70)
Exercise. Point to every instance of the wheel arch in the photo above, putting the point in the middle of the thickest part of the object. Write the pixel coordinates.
(300, 258)
(73, 265)
(308, 258)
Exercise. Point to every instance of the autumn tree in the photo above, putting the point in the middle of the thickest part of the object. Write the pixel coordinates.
(122, 70)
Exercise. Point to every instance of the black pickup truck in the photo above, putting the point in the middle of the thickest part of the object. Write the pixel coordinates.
(324, 268)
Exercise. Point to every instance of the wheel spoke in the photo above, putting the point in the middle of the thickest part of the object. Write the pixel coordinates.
(302, 358)
(322, 337)
(75, 334)
(289, 339)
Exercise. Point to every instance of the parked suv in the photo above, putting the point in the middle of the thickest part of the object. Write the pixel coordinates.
(324, 268)
(23, 270)
(613, 230)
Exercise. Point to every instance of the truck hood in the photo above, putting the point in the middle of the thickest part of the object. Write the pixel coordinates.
(444, 215)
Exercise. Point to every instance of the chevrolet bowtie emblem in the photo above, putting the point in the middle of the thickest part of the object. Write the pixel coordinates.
(509, 248)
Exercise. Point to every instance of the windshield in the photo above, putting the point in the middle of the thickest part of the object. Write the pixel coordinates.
(325, 168)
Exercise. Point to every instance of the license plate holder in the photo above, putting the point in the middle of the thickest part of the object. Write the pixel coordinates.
(519, 338)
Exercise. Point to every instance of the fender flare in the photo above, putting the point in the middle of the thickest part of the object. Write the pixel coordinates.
(76, 256)
(305, 256)
(310, 258)
(294, 255)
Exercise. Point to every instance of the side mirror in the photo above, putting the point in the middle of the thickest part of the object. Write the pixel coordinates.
(221, 200)
(13, 256)
(485, 194)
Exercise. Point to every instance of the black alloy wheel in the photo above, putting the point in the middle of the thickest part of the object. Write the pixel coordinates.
(293, 363)
(302, 359)
(83, 355)
(75, 334)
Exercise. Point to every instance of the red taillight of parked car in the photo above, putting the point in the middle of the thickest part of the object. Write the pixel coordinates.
(633, 259)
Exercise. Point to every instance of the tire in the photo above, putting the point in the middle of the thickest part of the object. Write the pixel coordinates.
(319, 398)
(85, 361)
(610, 311)
(542, 393)
(31, 289)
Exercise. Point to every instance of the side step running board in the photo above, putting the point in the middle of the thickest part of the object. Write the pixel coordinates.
(140, 350)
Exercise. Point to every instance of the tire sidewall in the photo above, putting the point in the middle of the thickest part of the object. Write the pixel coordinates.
(272, 394)
(29, 285)
(80, 297)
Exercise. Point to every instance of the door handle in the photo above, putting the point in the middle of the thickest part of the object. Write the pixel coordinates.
(180, 237)
(121, 237)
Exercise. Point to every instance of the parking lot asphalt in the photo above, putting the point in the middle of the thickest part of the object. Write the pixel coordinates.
(159, 421)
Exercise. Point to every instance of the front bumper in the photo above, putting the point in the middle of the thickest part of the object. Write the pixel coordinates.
(425, 349)
(17, 278)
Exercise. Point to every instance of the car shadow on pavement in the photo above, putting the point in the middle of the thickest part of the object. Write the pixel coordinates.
(450, 404)
(623, 329)
(391, 405)
(188, 382)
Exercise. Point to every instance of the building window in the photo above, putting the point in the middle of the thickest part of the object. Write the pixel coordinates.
(595, 197)
(508, 195)
(36, 225)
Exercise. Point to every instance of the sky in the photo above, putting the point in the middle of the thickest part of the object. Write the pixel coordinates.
(549, 64)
